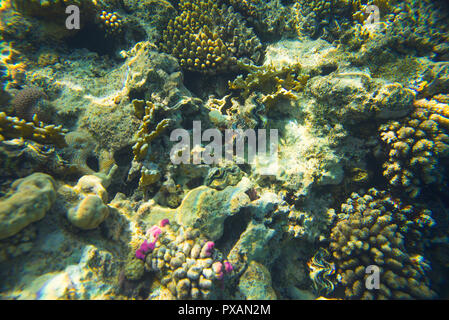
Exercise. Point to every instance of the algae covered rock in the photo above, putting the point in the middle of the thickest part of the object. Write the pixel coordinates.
(255, 283)
(31, 198)
(206, 209)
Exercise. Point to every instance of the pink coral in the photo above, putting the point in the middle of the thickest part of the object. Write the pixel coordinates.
(164, 222)
(228, 267)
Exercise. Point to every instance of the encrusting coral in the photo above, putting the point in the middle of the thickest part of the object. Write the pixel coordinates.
(376, 230)
(209, 38)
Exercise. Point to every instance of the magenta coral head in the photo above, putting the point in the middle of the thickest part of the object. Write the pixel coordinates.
(164, 222)
(210, 246)
(228, 267)
(140, 255)
(147, 246)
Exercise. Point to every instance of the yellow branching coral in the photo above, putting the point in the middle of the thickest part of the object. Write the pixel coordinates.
(145, 135)
(269, 80)
(13, 127)
(209, 38)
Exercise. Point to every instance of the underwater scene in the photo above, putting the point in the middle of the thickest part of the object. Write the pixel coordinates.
(224, 149)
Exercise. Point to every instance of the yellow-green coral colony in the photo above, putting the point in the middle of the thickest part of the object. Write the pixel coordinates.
(378, 230)
(111, 21)
(415, 147)
(209, 38)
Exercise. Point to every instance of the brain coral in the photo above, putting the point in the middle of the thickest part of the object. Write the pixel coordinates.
(375, 229)
(209, 38)
(25, 102)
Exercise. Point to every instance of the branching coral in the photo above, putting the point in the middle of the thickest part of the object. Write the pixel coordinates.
(145, 135)
(270, 81)
(209, 38)
(13, 127)
(415, 147)
(375, 229)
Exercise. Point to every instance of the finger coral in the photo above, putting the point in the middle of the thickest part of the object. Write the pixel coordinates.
(186, 263)
(209, 38)
(415, 146)
(377, 230)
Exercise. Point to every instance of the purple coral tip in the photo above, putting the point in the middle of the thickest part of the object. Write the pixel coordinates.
(164, 222)
(140, 255)
(228, 267)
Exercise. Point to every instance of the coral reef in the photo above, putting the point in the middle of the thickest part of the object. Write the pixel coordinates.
(210, 38)
(87, 202)
(185, 262)
(30, 199)
(415, 147)
(375, 229)
(349, 105)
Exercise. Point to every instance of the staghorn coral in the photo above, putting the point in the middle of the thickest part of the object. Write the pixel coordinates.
(374, 229)
(30, 199)
(185, 262)
(13, 127)
(415, 147)
(209, 38)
